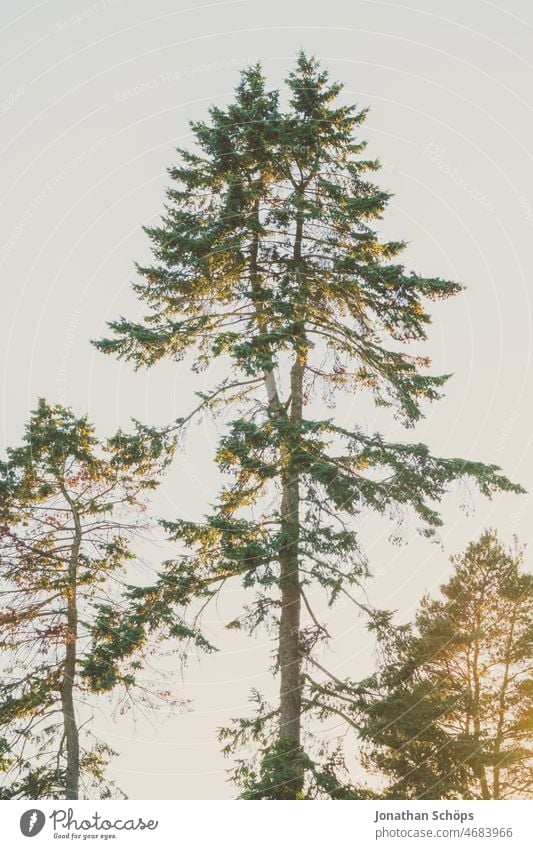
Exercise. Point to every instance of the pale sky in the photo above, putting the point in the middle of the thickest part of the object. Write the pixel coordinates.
(95, 97)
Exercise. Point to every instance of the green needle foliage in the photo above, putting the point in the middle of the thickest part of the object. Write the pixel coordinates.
(266, 261)
(70, 506)
(449, 714)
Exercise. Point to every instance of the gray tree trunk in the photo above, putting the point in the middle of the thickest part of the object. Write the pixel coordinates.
(72, 742)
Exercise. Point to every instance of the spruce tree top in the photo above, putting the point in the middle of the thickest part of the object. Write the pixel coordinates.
(224, 279)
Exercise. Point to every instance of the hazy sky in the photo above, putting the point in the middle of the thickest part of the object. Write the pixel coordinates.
(94, 98)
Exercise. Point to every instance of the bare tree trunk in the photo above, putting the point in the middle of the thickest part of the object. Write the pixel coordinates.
(289, 656)
(71, 734)
(289, 626)
(502, 706)
(480, 770)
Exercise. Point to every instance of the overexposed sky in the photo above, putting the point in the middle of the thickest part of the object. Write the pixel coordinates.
(94, 98)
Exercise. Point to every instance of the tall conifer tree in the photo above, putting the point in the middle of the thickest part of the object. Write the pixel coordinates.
(266, 259)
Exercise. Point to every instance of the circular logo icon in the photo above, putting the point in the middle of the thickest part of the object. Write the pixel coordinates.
(32, 822)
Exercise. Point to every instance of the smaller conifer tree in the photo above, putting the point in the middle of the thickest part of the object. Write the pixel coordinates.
(69, 508)
(449, 714)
